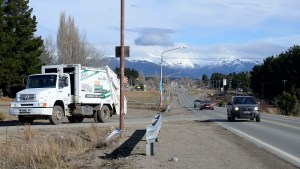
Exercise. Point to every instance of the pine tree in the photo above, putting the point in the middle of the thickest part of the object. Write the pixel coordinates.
(21, 50)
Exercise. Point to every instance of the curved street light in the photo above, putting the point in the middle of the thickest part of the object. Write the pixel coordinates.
(161, 62)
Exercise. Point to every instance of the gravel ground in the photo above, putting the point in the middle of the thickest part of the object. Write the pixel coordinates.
(193, 144)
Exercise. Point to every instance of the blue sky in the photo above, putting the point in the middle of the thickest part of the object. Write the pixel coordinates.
(210, 29)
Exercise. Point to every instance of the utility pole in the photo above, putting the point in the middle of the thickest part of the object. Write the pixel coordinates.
(122, 67)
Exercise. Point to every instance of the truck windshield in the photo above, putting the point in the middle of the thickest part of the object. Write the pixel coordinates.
(42, 81)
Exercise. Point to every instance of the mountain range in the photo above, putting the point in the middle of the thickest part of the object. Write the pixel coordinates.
(221, 65)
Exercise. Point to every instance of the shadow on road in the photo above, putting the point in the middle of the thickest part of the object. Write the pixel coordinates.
(127, 147)
(16, 123)
(219, 120)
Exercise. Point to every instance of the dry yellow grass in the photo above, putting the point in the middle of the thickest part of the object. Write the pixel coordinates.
(136, 99)
(2, 116)
(5, 99)
(40, 149)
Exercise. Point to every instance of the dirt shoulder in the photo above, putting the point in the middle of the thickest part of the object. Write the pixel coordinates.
(199, 144)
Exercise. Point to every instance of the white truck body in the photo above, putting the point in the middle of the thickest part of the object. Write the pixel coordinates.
(69, 90)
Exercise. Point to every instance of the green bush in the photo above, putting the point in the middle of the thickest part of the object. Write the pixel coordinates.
(2, 116)
(287, 103)
(221, 103)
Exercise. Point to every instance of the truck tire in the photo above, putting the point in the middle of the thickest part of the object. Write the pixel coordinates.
(103, 114)
(57, 115)
(25, 120)
(75, 119)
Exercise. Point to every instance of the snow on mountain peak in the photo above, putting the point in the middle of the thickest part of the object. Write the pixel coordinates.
(233, 61)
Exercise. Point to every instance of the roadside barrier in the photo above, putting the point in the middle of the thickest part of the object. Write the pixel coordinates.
(152, 134)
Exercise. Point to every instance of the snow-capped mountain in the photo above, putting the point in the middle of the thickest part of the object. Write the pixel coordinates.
(220, 65)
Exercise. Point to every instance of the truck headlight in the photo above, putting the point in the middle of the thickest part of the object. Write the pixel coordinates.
(236, 108)
(256, 108)
(12, 105)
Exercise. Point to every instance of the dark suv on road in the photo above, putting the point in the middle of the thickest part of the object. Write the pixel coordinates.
(243, 107)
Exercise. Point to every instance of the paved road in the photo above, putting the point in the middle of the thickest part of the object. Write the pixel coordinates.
(277, 134)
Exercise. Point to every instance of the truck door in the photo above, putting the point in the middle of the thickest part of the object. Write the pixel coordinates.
(64, 89)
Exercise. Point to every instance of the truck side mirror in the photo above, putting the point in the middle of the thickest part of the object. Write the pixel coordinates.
(66, 81)
(63, 82)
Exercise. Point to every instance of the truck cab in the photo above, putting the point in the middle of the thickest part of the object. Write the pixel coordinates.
(42, 93)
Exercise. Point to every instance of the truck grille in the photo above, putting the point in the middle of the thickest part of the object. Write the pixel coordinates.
(27, 97)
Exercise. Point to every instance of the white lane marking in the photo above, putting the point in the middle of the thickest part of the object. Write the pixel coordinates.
(281, 124)
(288, 157)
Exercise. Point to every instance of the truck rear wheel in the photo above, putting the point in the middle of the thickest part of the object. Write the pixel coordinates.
(75, 119)
(103, 114)
(57, 115)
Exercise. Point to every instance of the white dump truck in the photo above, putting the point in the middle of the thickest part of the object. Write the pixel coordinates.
(69, 90)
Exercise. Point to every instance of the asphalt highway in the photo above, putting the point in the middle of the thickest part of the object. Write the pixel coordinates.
(280, 135)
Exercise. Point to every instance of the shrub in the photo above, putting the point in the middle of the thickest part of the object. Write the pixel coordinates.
(221, 103)
(287, 103)
(2, 116)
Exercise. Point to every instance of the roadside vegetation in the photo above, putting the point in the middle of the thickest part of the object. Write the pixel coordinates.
(2, 116)
(142, 99)
(30, 149)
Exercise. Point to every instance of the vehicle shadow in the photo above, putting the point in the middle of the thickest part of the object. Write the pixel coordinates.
(16, 123)
(127, 147)
(220, 120)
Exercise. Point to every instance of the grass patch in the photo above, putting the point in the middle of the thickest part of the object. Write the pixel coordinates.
(5, 99)
(141, 99)
(55, 149)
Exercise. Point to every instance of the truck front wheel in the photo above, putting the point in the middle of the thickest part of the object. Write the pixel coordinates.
(57, 115)
(102, 115)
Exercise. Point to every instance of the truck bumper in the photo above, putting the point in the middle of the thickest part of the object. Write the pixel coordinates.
(30, 111)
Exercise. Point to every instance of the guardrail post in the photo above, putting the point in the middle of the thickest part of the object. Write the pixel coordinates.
(152, 134)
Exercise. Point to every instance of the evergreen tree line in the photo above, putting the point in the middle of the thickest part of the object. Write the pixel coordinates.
(234, 81)
(277, 74)
(131, 74)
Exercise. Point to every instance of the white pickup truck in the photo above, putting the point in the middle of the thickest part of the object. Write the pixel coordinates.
(69, 90)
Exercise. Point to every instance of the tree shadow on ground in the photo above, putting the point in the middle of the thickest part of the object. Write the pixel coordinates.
(127, 147)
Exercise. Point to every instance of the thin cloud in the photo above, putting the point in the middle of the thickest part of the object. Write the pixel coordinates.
(155, 37)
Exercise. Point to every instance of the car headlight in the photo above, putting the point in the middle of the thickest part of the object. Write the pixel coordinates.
(256, 108)
(236, 108)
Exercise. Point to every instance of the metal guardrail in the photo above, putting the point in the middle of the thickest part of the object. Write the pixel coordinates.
(152, 134)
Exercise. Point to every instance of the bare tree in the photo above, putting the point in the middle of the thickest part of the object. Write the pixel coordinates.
(48, 55)
(72, 46)
(141, 79)
(95, 57)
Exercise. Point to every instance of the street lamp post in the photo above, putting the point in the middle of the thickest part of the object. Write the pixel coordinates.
(284, 84)
(167, 88)
(161, 62)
